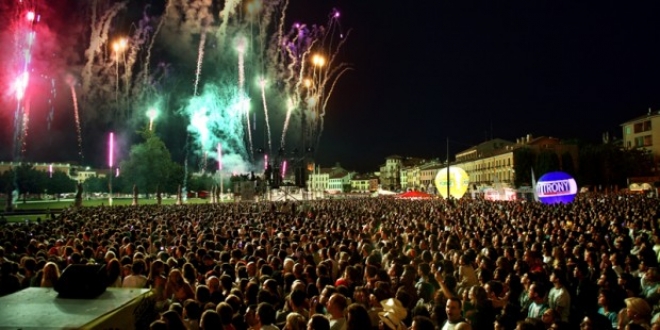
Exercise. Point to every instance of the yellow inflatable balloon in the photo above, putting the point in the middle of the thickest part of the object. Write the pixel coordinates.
(459, 181)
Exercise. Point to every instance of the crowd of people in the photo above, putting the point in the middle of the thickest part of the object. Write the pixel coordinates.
(377, 263)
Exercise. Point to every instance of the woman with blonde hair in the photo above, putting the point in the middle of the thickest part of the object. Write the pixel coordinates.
(178, 288)
(637, 311)
(157, 282)
(51, 274)
(295, 321)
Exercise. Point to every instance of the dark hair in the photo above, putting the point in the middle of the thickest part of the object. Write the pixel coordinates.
(357, 317)
(173, 320)
(460, 303)
(193, 309)
(266, 313)
(210, 320)
(319, 322)
(423, 322)
(225, 311)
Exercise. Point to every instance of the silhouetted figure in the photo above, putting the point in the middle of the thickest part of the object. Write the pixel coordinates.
(178, 196)
(78, 200)
(135, 195)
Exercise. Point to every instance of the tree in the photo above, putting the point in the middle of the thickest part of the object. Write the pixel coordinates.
(567, 163)
(148, 165)
(59, 183)
(546, 161)
(29, 180)
(96, 184)
(523, 161)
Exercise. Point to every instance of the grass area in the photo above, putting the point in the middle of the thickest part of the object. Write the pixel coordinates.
(48, 205)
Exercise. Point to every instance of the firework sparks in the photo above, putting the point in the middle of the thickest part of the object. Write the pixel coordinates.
(134, 64)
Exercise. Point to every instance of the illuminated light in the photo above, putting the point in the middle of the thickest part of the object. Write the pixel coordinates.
(283, 169)
(503, 194)
(20, 85)
(307, 82)
(556, 187)
(241, 44)
(318, 60)
(120, 45)
(50, 170)
(265, 161)
(459, 181)
(30, 16)
(219, 157)
(111, 150)
(152, 114)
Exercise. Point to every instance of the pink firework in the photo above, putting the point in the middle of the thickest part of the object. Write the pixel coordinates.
(111, 150)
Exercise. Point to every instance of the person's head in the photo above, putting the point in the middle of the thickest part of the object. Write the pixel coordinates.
(549, 316)
(595, 321)
(392, 315)
(336, 304)
(225, 312)
(637, 309)
(210, 320)
(265, 313)
(536, 291)
(357, 317)
(251, 315)
(318, 322)
(192, 310)
(453, 308)
(173, 320)
(158, 325)
(295, 321)
(420, 322)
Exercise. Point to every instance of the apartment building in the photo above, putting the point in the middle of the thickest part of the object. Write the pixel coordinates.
(643, 132)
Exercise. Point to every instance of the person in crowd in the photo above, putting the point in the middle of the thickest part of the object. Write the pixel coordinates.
(318, 322)
(136, 279)
(455, 320)
(357, 317)
(537, 298)
(210, 320)
(295, 321)
(50, 275)
(247, 255)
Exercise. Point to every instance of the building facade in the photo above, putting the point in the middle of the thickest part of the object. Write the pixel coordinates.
(643, 132)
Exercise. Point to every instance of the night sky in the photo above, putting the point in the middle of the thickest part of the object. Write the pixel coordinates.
(464, 70)
(468, 70)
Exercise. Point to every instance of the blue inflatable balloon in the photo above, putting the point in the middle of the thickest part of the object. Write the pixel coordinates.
(556, 187)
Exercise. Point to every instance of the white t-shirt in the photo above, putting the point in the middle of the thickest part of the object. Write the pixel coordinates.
(135, 281)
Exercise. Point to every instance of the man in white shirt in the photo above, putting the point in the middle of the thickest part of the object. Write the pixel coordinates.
(136, 279)
(336, 306)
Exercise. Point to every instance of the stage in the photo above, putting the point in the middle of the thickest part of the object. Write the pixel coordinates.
(40, 308)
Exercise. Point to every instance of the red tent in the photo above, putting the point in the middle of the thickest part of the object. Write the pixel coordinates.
(414, 194)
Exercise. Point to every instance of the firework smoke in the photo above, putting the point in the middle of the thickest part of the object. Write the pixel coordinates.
(76, 115)
(98, 38)
(262, 83)
(200, 58)
(147, 70)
